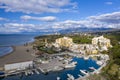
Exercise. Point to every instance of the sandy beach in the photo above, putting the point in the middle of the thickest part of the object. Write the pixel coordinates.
(19, 54)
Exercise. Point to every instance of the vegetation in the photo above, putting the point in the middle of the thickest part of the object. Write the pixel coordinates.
(97, 77)
(81, 39)
(47, 50)
(41, 42)
(113, 68)
(50, 38)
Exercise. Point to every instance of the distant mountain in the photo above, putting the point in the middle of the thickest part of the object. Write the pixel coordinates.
(84, 29)
(65, 31)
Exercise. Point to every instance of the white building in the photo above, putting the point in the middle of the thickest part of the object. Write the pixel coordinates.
(102, 42)
(18, 66)
(63, 42)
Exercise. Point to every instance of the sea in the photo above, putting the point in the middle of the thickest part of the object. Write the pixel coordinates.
(8, 40)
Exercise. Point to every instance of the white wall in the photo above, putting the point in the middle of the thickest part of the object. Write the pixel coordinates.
(20, 65)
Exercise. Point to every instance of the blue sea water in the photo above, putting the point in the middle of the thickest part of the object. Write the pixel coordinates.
(5, 50)
(7, 40)
(81, 65)
(15, 39)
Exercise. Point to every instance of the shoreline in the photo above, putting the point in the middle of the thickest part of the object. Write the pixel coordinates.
(19, 53)
(13, 49)
(14, 46)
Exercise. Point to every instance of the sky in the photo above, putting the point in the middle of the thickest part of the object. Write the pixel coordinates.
(22, 16)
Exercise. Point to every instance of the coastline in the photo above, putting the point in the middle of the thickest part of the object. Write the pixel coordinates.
(19, 53)
(13, 49)
(13, 46)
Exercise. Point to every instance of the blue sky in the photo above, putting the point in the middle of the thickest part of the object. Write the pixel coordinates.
(18, 16)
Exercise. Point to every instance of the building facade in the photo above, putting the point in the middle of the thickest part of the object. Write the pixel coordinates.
(64, 42)
(102, 42)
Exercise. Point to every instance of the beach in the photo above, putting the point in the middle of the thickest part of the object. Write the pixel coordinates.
(20, 53)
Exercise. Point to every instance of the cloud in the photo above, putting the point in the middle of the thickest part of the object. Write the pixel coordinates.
(37, 6)
(16, 27)
(19, 28)
(3, 19)
(111, 18)
(109, 3)
(47, 18)
(79, 23)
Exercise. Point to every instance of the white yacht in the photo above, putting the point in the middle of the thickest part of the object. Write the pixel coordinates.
(84, 72)
(32, 72)
(71, 65)
(79, 75)
(57, 68)
(29, 72)
(70, 77)
(26, 73)
(37, 72)
(58, 78)
(92, 68)
(99, 63)
(86, 58)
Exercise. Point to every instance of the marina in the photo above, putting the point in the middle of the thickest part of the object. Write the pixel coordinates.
(73, 71)
(62, 64)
